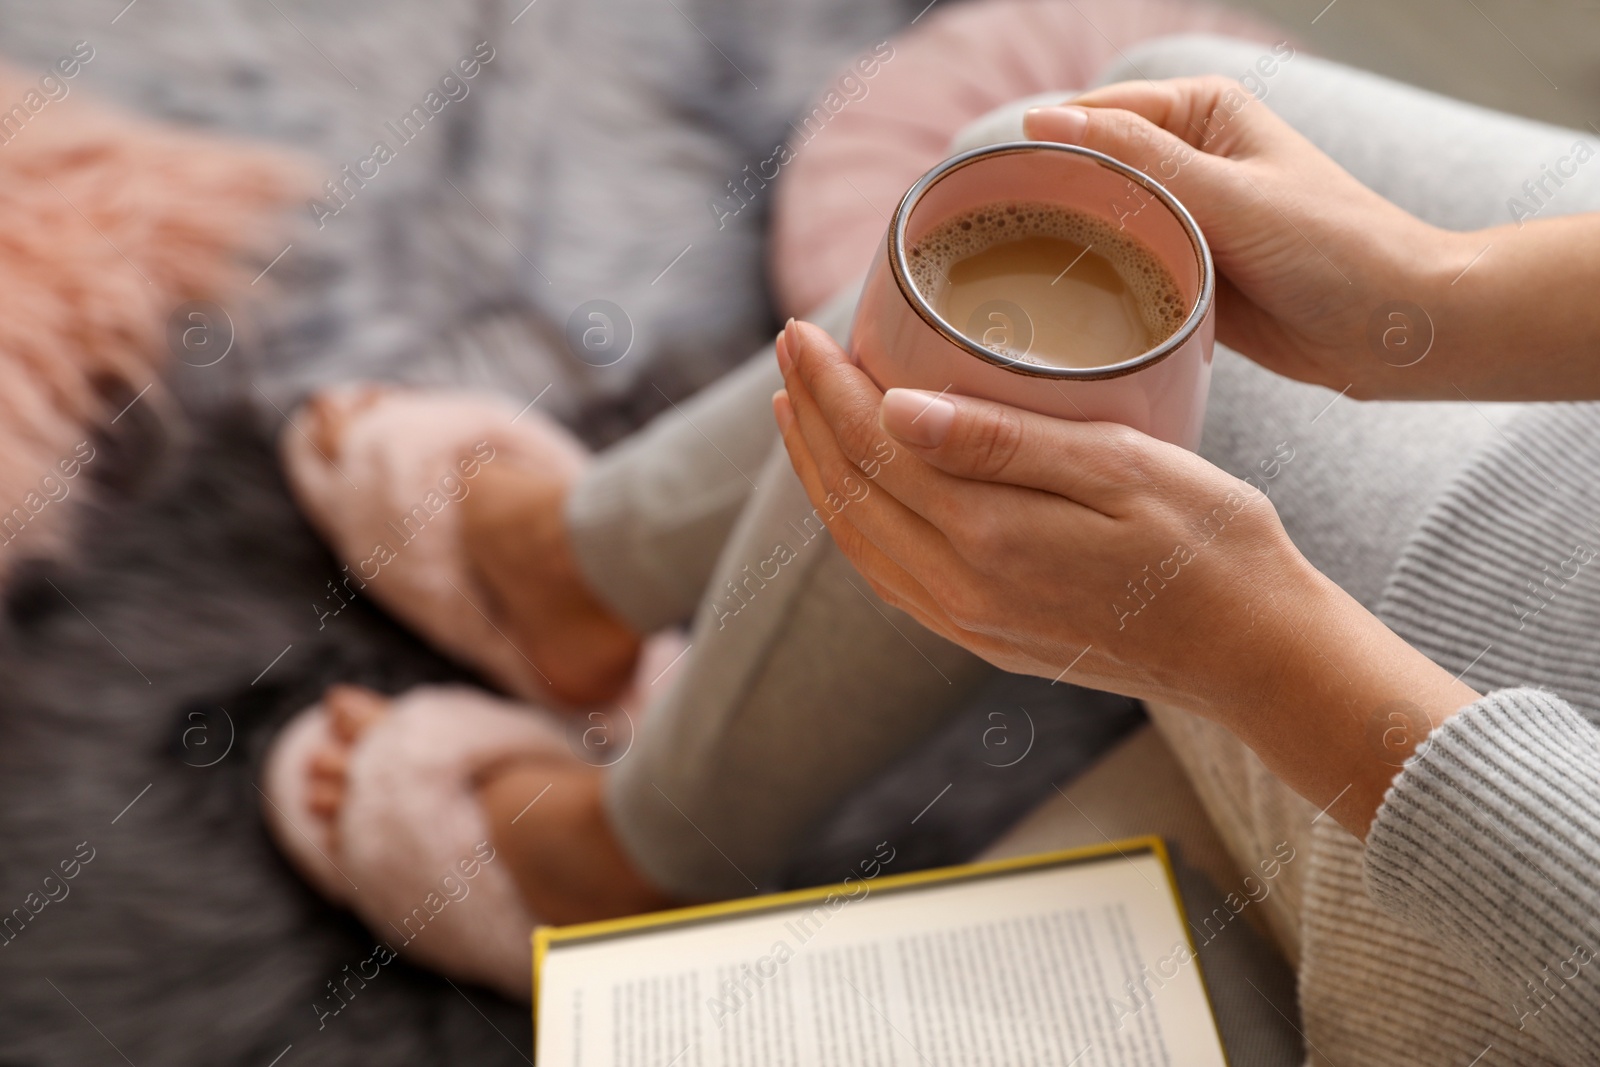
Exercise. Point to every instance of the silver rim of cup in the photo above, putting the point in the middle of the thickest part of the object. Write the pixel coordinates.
(902, 274)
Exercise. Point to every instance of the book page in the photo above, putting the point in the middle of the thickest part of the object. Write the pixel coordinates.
(1085, 964)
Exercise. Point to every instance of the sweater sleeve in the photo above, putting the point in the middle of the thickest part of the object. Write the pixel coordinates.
(1489, 841)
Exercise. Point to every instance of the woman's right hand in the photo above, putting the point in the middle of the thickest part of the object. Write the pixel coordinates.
(1308, 256)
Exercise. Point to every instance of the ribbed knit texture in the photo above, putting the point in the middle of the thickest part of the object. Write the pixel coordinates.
(1490, 841)
(1432, 943)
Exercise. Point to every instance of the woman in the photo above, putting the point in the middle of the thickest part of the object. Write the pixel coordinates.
(799, 684)
(1015, 535)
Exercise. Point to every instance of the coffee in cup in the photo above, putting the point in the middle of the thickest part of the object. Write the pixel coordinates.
(1048, 284)
(964, 296)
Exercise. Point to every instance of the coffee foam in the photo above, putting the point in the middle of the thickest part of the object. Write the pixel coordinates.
(1161, 302)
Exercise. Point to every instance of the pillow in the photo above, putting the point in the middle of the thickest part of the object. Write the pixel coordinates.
(107, 224)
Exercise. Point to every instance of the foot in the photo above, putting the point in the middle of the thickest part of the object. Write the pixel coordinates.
(515, 537)
(551, 824)
(547, 820)
(511, 542)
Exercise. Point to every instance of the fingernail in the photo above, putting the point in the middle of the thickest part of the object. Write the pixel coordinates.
(791, 330)
(1063, 123)
(782, 411)
(782, 349)
(916, 417)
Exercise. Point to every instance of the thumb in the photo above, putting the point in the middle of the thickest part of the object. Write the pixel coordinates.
(988, 442)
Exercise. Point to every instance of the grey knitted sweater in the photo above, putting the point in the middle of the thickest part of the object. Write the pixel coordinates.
(1468, 929)
(1490, 842)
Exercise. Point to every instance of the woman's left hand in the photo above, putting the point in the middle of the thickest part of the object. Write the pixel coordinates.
(1042, 544)
(1091, 553)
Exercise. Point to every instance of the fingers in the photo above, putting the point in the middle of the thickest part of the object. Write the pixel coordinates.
(886, 577)
(905, 505)
(1214, 114)
(848, 398)
(888, 541)
(1120, 134)
(1129, 138)
(848, 451)
(1189, 134)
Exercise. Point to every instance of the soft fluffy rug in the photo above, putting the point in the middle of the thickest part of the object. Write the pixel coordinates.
(138, 697)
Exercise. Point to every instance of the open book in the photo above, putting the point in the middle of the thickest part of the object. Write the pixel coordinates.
(1075, 958)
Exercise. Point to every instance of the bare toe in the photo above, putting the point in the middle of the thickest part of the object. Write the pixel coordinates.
(325, 776)
(330, 764)
(324, 798)
(353, 710)
(322, 425)
(328, 413)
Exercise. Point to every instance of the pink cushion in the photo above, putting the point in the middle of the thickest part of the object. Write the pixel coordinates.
(957, 63)
(108, 222)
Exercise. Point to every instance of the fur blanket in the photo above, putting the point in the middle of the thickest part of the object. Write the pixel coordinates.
(111, 225)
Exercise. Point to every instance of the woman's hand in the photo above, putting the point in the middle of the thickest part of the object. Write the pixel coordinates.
(1091, 553)
(1043, 544)
(1308, 256)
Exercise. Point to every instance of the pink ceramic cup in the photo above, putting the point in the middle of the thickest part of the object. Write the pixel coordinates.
(900, 340)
